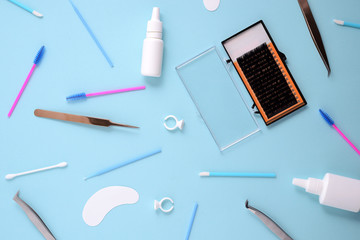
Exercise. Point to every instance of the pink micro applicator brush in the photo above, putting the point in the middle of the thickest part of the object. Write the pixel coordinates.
(83, 95)
(36, 61)
(331, 122)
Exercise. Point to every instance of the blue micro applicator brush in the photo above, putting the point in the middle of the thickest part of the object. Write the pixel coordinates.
(122, 164)
(348, 24)
(237, 174)
(91, 34)
(191, 221)
(35, 13)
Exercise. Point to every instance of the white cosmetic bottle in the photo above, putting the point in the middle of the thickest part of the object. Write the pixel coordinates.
(152, 54)
(334, 191)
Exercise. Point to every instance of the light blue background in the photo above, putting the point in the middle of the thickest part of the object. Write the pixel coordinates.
(300, 145)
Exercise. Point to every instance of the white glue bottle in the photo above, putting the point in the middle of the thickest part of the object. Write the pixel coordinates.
(153, 47)
(334, 191)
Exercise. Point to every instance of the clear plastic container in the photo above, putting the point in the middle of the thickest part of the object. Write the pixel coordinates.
(217, 98)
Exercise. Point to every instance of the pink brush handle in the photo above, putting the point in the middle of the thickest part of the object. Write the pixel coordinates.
(21, 90)
(346, 139)
(115, 91)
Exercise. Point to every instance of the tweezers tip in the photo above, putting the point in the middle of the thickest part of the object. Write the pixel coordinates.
(16, 195)
(130, 126)
(247, 203)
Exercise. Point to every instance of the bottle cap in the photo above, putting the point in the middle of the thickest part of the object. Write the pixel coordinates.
(311, 185)
(155, 25)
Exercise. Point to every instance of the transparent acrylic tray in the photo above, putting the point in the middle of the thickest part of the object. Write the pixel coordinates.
(217, 98)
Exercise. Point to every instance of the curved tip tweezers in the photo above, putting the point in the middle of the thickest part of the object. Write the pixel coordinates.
(269, 222)
(314, 32)
(34, 218)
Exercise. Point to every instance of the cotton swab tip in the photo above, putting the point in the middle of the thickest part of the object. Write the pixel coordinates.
(204, 174)
(10, 176)
(62, 164)
(339, 22)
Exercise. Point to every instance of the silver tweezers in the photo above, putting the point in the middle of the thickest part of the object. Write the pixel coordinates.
(269, 222)
(34, 218)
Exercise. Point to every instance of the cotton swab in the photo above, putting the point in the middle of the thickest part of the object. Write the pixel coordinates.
(35, 13)
(237, 174)
(36, 61)
(191, 221)
(86, 95)
(91, 34)
(122, 164)
(11, 176)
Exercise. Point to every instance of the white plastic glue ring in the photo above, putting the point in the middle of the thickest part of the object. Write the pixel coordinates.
(158, 205)
(179, 124)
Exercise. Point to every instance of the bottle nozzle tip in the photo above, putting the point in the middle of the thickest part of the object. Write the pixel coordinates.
(299, 182)
(155, 14)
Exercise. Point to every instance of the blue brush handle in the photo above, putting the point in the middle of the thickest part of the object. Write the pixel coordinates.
(22, 6)
(350, 24)
(92, 34)
(122, 164)
(191, 221)
(229, 174)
